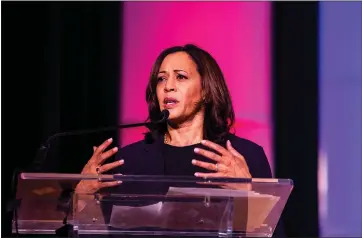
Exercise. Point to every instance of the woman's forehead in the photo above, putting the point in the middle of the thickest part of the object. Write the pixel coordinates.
(178, 60)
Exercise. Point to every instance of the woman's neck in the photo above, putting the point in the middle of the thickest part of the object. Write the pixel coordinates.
(188, 133)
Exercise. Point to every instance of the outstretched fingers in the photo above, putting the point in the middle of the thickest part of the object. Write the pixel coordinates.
(109, 166)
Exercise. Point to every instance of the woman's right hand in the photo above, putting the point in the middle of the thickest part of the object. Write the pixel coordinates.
(96, 166)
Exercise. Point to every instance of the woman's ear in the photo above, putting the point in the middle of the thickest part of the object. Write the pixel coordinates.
(204, 98)
(203, 95)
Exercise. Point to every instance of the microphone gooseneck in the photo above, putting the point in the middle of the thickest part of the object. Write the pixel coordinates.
(43, 149)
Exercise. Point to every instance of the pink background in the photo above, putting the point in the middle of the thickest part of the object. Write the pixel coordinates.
(237, 34)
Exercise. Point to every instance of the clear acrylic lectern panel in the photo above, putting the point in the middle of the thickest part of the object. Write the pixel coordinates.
(159, 205)
(43, 205)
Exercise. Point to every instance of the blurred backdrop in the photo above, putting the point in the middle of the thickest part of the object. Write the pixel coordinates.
(294, 71)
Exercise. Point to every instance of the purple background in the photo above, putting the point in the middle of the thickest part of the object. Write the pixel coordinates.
(340, 167)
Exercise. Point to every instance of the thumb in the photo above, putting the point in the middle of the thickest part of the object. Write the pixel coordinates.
(94, 148)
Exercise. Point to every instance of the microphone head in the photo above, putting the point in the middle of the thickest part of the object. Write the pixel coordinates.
(164, 115)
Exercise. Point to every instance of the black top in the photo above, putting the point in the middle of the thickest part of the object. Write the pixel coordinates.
(178, 160)
(157, 158)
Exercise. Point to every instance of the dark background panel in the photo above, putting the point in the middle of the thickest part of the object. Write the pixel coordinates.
(295, 109)
(60, 72)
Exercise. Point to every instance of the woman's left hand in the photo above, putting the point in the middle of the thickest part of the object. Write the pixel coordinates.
(228, 164)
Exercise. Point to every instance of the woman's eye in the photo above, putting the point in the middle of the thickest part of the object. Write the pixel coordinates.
(160, 79)
(180, 76)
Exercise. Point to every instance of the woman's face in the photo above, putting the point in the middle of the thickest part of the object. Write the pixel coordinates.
(179, 87)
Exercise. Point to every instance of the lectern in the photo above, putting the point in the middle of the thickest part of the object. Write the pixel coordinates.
(149, 206)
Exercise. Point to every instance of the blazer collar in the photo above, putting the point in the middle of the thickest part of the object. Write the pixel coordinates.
(154, 156)
(156, 145)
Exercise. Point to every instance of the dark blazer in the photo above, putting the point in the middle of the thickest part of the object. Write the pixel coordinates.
(146, 158)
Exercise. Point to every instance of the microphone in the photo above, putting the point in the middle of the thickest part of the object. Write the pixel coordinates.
(43, 149)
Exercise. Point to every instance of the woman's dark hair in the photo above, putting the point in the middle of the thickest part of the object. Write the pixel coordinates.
(219, 112)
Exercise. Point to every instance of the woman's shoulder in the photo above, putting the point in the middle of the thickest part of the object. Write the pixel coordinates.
(243, 143)
(133, 147)
(254, 155)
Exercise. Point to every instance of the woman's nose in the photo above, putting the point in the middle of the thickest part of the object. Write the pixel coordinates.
(170, 85)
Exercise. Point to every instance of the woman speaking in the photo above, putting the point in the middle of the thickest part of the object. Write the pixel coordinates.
(196, 140)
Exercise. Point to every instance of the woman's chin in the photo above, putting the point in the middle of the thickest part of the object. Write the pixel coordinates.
(174, 118)
(173, 113)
